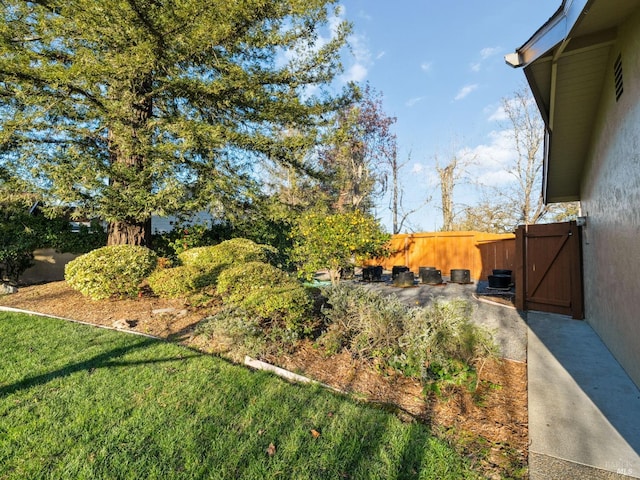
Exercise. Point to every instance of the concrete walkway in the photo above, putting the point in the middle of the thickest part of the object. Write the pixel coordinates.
(584, 411)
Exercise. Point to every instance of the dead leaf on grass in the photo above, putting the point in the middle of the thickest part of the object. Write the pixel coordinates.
(271, 450)
(315, 433)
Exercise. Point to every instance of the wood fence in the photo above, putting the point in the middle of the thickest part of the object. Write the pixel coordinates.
(477, 252)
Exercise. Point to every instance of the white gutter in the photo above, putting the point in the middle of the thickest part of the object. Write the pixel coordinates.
(556, 30)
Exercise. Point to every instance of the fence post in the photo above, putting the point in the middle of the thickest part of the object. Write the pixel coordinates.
(520, 263)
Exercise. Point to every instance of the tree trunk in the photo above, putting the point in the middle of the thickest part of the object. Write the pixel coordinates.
(129, 233)
(132, 231)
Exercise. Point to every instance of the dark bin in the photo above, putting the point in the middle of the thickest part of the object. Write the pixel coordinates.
(421, 270)
(372, 274)
(499, 281)
(431, 277)
(396, 269)
(500, 271)
(404, 279)
(460, 275)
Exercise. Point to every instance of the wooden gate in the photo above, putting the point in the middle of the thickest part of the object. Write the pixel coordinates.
(549, 269)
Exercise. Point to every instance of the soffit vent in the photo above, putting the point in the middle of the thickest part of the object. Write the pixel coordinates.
(617, 75)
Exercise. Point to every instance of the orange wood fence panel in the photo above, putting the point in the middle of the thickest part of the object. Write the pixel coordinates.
(477, 252)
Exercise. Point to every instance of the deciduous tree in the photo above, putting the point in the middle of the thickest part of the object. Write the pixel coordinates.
(356, 153)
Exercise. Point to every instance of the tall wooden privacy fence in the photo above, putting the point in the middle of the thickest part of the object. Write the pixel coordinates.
(477, 252)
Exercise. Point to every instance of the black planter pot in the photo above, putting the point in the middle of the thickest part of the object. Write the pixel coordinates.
(460, 275)
(499, 281)
(404, 279)
(431, 277)
(421, 270)
(372, 274)
(499, 271)
(396, 269)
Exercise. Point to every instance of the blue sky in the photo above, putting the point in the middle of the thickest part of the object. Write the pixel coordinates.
(440, 67)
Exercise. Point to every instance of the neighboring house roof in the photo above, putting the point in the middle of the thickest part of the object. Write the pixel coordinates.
(565, 63)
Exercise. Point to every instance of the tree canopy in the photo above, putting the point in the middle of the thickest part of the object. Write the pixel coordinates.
(129, 108)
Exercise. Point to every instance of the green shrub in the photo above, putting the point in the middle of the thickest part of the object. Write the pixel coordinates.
(235, 283)
(201, 266)
(227, 253)
(364, 322)
(269, 293)
(113, 270)
(179, 281)
(332, 241)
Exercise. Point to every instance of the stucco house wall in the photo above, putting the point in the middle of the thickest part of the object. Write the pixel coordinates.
(610, 199)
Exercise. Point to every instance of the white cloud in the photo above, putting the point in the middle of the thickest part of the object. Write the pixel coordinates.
(498, 115)
(466, 90)
(426, 66)
(492, 159)
(380, 55)
(489, 52)
(417, 168)
(412, 101)
(485, 54)
(355, 73)
(362, 57)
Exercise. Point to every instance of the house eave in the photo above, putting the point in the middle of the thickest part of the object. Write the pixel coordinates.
(554, 31)
(566, 63)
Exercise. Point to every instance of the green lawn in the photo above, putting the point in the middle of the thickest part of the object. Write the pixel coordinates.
(80, 402)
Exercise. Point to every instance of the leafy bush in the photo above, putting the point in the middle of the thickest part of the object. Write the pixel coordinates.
(364, 322)
(201, 266)
(236, 283)
(113, 270)
(179, 281)
(22, 232)
(333, 241)
(269, 293)
(227, 253)
(182, 237)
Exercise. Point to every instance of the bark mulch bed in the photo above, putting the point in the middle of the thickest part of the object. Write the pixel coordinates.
(489, 425)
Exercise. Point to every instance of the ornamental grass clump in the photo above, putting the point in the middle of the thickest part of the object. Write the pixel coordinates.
(116, 270)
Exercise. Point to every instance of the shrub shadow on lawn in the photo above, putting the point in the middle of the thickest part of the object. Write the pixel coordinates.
(104, 360)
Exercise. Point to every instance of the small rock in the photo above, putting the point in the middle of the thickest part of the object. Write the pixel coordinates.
(124, 323)
(6, 289)
(119, 324)
(162, 311)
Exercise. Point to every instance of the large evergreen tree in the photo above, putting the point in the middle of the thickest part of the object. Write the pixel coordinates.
(128, 108)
